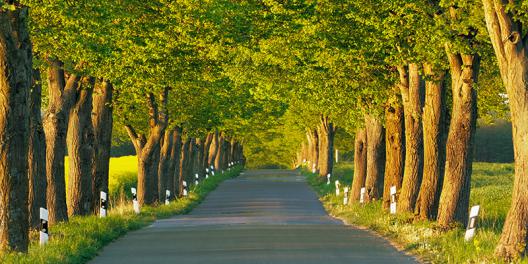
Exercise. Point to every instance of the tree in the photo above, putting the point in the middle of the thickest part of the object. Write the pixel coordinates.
(146, 148)
(15, 83)
(504, 22)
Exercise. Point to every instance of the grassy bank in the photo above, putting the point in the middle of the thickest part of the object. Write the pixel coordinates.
(79, 240)
(491, 189)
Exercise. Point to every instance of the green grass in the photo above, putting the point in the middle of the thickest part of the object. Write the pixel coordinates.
(79, 240)
(491, 189)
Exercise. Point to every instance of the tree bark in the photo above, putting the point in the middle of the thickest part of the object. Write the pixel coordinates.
(102, 125)
(36, 154)
(147, 150)
(375, 158)
(80, 140)
(326, 147)
(454, 199)
(512, 55)
(411, 90)
(394, 149)
(15, 84)
(433, 120)
(360, 164)
(61, 94)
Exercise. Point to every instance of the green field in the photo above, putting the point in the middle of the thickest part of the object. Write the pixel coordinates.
(123, 176)
(79, 240)
(491, 189)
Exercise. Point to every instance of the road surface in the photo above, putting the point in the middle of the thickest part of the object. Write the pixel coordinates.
(263, 216)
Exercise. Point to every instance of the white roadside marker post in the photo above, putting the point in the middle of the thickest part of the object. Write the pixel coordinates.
(196, 177)
(472, 223)
(212, 170)
(393, 199)
(337, 156)
(207, 173)
(313, 169)
(104, 205)
(185, 189)
(362, 195)
(328, 178)
(44, 232)
(345, 199)
(337, 187)
(135, 202)
(167, 197)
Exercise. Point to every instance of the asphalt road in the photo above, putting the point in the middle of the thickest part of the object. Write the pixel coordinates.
(263, 216)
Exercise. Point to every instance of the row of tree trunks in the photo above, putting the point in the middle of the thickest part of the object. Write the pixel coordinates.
(102, 121)
(36, 154)
(433, 123)
(15, 83)
(394, 148)
(80, 138)
(411, 91)
(375, 157)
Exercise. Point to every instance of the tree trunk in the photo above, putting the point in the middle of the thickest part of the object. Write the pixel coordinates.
(375, 158)
(326, 147)
(80, 140)
(220, 153)
(433, 119)
(512, 57)
(411, 90)
(213, 150)
(36, 155)
(61, 94)
(184, 165)
(174, 171)
(207, 147)
(360, 164)
(102, 124)
(15, 84)
(165, 164)
(394, 149)
(148, 150)
(454, 200)
(199, 156)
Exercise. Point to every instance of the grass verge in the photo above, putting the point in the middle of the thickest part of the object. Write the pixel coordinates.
(79, 240)
(491, 189)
